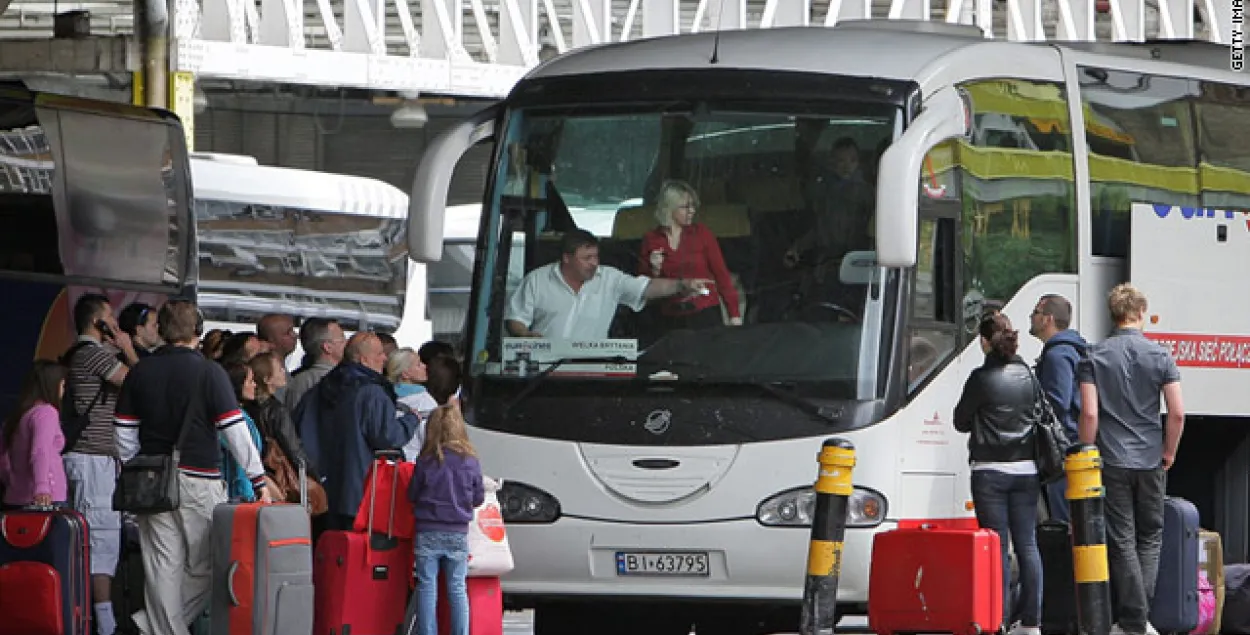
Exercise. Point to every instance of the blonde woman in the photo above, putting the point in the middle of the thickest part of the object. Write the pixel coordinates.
(405, 370)
(679, 248)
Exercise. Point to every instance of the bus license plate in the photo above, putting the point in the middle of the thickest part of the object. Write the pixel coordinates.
(677, 563)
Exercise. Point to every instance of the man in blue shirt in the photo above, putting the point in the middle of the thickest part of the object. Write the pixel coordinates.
(1062, 348)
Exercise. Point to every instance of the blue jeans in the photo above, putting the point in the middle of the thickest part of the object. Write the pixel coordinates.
(448, 551)
(1056, 502)
(1007, 504)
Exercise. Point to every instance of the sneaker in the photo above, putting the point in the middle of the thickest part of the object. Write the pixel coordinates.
(1116, 630)
(1150, 629)
(1017, 629)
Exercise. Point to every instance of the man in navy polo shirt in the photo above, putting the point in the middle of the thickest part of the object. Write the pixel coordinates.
(173, 388)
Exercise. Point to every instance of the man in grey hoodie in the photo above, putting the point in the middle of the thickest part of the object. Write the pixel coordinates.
(1062, 348)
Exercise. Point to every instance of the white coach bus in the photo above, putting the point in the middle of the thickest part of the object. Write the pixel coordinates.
(304, 243)
(678, 484)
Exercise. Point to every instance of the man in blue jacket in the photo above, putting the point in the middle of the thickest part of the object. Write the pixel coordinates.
(352, 412)
(1062, 348)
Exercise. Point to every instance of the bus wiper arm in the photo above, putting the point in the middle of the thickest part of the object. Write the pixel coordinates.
(824, 413)
(540, 377)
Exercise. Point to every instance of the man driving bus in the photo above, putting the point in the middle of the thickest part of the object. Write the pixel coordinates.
(576, 299)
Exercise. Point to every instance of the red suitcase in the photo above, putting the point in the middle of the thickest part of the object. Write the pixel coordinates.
(485, 606)
(388, 477)
(361, 580)
(935, 581)
(44, 573)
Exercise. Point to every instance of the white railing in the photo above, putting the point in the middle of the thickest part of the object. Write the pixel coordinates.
(481, 47)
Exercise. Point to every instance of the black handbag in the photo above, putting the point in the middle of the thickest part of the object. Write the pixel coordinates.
(148, 483)
(1050, 440)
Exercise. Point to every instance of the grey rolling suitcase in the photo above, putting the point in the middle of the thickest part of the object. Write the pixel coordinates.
(262, 569)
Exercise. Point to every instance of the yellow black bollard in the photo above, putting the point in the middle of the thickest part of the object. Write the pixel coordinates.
(824, 555)
(1085, 496)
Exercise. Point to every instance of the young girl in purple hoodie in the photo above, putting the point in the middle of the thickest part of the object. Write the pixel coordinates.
(446, 487)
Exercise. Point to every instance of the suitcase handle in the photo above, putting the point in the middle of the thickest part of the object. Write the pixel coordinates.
(396, 456)
(234, 567)
(303, 485)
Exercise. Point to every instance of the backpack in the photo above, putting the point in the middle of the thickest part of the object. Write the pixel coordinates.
(72, 422)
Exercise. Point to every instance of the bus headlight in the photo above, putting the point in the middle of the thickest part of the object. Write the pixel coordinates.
(521, 503)
(794, 508)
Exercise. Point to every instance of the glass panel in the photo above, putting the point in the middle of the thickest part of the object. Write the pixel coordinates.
(749, 190)
(1141, 143)
(1016, 189)
(450, 282)
(256, 259)
(90, 218)
(1222, 111)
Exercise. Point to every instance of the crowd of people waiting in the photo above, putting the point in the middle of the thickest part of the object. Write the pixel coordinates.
(246, 428)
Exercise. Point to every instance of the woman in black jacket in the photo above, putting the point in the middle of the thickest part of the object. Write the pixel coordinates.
(994, 408)
(271, 417)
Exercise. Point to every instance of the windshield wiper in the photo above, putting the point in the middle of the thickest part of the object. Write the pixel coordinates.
(824, 413)
(832, 415)
(540, 377)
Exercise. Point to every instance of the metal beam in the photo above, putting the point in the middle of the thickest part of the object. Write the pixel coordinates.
(518, 32)
(88, 56)
(364, 22)
(848, 10)
(1176, 19)
(282, 23)
(1076, 20)
(659, 17)
(592, 22)
(1128, 20)
(1024, 21)
(728, 15)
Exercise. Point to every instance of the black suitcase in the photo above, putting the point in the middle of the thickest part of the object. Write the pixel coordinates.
(1175, 605)
(1054, 542)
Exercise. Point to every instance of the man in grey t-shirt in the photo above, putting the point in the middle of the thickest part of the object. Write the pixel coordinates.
(1120, 385)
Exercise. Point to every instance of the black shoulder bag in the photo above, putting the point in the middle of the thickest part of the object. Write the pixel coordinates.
(1050, 441)
(148, 483)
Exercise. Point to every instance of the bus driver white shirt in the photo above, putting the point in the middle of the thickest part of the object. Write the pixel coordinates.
(548, 305)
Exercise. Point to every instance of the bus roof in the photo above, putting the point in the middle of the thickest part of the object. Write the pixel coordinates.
(795, 49)
(927, 52)
(239, 182)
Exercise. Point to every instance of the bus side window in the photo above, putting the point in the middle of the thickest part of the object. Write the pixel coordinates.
(934, 329)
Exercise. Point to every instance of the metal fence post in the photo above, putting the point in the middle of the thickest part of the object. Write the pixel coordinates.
(824, 555)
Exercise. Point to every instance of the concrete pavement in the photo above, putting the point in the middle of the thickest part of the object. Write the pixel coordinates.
(522, 623)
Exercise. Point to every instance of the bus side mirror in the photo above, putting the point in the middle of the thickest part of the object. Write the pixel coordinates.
(427, 205)
(944, 116)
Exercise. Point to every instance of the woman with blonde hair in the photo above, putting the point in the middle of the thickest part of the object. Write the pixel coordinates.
(679, 248)
(446, 487)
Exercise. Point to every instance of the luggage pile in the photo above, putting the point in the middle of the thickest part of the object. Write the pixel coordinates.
(267, 577)
(949, 581)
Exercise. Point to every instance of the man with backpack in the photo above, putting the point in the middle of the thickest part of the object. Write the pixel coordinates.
(97, 363)
(1062, 348)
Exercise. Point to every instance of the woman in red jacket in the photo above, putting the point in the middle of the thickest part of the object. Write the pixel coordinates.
(681, 248)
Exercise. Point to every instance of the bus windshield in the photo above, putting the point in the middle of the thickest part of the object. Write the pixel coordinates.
(775, 209)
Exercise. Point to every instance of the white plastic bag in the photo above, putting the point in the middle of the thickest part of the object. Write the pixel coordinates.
(489, 553)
